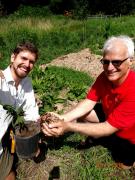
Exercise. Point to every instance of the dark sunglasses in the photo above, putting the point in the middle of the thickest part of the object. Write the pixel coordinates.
(115, 63)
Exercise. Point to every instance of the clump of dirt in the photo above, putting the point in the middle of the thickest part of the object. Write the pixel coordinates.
(50, 118)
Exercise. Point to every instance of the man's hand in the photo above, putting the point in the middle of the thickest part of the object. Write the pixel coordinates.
(54, 129)
(50, 118)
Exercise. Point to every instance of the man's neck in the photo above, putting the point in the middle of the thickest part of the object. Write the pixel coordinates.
(16, 79)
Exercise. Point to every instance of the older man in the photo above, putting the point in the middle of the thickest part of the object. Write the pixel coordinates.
(115, 89)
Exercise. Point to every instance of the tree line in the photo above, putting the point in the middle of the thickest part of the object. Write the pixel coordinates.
(80, 8)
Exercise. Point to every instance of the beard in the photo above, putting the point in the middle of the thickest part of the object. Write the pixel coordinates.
(20, 71)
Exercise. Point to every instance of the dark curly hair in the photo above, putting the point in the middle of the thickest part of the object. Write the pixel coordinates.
(28, 46)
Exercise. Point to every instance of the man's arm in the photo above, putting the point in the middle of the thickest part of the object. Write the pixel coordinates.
(82, 108)
(95, 130)
(92, 129)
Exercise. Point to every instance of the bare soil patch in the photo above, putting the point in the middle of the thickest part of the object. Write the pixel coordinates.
(83, 60)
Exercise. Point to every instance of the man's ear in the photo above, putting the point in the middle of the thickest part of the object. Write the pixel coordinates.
(131, 61)
(12, 58)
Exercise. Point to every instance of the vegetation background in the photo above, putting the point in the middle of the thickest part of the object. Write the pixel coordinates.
(58, 28)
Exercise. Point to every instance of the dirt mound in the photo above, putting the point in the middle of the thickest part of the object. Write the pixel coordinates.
(83, 60)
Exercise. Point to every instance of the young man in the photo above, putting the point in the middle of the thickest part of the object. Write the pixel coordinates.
(16, 90)
(115, 89)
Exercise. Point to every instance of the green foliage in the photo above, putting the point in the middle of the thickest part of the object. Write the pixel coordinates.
(109, 7)
(81, 10)
(60, 41)
(59, 35)
(18, 119)
(77, 93)
(11, 110)
(107, 29)
(50, 82)
(36, 11)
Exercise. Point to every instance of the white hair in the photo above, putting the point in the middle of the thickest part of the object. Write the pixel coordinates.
(123, 38)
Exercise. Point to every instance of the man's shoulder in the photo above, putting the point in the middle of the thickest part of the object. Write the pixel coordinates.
(130, 81)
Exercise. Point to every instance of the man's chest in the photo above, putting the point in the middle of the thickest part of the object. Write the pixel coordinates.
(9, 94)
(111, 98)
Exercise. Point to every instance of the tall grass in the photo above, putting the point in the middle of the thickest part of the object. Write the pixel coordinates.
(59, 35)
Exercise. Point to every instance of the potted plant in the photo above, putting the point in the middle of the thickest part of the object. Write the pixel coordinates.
(26, 133)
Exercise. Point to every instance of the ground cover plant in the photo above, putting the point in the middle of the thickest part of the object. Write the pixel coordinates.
(56, 36)
(49, 84)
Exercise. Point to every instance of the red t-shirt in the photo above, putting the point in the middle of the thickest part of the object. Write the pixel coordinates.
(118, 103)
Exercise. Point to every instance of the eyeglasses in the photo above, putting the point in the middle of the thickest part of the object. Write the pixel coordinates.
(115, 63)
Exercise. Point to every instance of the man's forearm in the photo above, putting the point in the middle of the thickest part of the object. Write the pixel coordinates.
(92, 129)
(80, 110)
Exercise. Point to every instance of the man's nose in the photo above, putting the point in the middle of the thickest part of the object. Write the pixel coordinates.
(110, 66)
(27, 63)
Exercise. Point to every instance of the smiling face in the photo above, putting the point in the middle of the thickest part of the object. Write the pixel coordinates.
(117, 74)
(21, 64)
